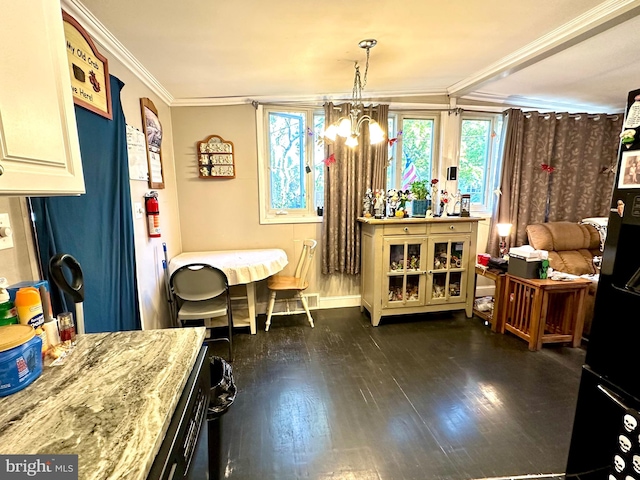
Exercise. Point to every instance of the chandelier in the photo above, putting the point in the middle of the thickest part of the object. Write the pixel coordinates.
(349, 127)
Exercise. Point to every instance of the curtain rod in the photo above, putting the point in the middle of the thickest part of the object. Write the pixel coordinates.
(575, 116)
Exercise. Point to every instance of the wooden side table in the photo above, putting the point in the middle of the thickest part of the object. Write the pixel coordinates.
(544, 311)
(494, 318)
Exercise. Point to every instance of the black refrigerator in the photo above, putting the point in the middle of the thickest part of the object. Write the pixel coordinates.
(605, 443)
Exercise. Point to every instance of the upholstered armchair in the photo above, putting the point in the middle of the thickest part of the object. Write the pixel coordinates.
(571, 247)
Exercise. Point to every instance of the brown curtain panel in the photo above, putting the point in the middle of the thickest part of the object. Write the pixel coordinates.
(346, 181)
(556, 166)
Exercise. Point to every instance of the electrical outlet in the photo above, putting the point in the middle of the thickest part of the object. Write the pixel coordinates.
(6, 235)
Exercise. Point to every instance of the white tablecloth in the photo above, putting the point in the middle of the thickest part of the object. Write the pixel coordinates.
(241, 266)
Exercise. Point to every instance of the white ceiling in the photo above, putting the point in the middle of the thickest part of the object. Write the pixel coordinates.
(565, 55)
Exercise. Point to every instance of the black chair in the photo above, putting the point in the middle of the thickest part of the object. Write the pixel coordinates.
(202, 293)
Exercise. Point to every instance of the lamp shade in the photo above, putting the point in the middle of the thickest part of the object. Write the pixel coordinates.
(376, 135)
(352, 141)
(344, 129)
(504, 229)
(331, 132)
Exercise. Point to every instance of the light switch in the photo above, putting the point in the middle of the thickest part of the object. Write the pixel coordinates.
(137, 208)
(6, 235)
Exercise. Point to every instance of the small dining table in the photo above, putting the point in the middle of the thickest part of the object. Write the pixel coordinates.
(242, 267)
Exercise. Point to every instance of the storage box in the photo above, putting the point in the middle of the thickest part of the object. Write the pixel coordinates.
(523, 268)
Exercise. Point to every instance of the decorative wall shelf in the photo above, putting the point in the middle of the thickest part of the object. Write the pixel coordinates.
(215, 158)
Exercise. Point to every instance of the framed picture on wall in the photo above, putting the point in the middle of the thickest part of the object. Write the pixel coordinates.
(630, 170)
(152, 129)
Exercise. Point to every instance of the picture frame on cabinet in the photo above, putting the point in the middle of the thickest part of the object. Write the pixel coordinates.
(152, 129)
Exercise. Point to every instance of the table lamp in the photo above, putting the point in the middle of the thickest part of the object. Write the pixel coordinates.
(504, 229)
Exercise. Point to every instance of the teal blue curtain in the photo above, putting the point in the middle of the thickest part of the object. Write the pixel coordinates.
(96, 228)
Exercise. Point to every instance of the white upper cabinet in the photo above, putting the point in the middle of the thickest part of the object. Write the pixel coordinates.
(39, 149)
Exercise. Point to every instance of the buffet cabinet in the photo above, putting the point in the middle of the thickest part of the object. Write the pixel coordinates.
(39, 147)
(417, 265)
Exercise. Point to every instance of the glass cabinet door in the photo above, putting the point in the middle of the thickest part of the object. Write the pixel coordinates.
(404, 266)
(447, 269)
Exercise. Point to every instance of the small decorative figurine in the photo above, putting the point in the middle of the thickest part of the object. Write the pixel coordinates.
(378, 204)
(393, 199)
(465, 205)
(366, 204)
(628, 137)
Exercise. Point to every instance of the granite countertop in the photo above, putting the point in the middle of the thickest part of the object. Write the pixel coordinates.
(110, 403)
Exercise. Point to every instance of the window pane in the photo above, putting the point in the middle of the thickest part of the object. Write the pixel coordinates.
(417, 150)
(318, 159)
(475, 141)
(286, 160)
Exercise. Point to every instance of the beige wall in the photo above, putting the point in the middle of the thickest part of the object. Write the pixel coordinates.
(18, 264)
(220, 214)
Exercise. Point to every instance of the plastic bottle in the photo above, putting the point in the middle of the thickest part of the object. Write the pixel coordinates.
(8, 312)
(29, 307)
(30, 312)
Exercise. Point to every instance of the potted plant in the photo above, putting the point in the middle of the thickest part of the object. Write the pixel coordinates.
(420, 193)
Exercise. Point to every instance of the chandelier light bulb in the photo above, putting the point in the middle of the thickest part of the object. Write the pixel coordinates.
(344, 128)
(376, 135)
(352, 141)
(331, 132)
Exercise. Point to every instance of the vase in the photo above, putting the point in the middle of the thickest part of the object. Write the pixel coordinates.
(420, 207)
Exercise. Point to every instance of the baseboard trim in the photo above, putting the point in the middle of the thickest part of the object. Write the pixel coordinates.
(339, 302)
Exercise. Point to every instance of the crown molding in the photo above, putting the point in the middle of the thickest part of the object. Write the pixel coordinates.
(297, 99)
(606, 15)
(528, 103)
(110, 43)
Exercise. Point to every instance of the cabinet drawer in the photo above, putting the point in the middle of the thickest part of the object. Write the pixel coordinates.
(453, 227)
(415, 229)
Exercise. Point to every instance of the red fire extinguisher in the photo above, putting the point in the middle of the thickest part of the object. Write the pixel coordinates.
(153, 214)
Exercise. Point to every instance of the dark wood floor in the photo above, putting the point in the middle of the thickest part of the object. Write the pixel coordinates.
(420, 397)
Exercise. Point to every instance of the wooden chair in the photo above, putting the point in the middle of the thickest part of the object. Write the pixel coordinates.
(298, 283)
(203, 294)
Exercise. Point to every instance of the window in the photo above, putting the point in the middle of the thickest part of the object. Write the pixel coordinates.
(412, 154)
(480, 136)
(291, 157)
(291, 154)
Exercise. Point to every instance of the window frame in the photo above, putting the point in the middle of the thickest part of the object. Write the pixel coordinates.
(494, 160)
(398, 118)
(270, 215)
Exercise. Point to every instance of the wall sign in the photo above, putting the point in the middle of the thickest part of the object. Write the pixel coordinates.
(89, 69)
(152, 129)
